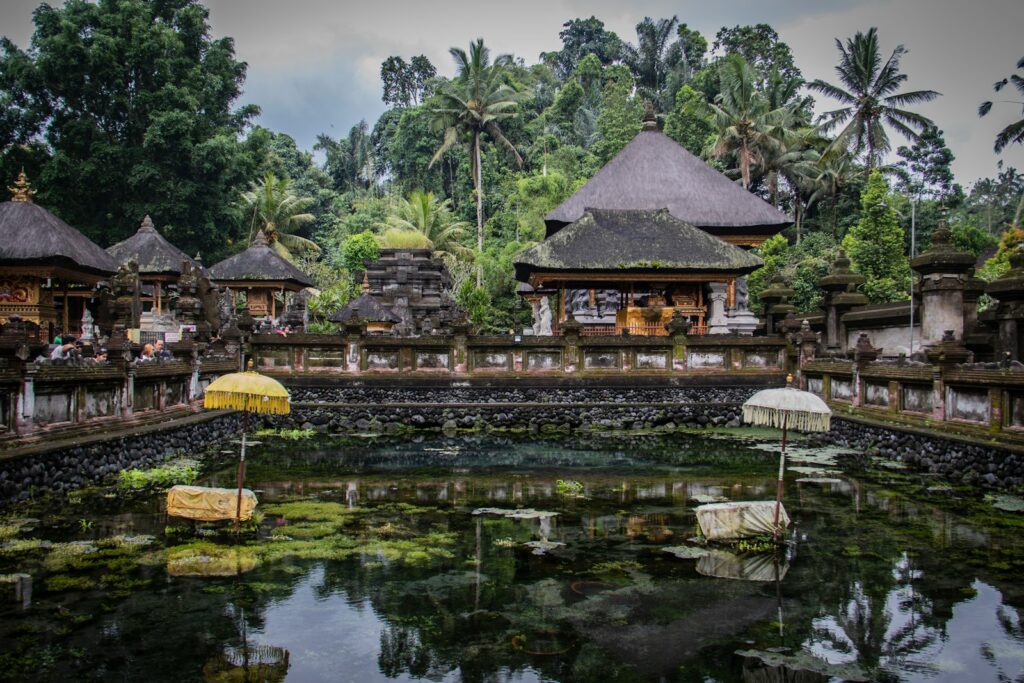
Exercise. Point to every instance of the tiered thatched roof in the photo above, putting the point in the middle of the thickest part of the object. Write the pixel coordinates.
(151, 250)
(259, 264)
(634, 242)
(32, 236)
(654, 172)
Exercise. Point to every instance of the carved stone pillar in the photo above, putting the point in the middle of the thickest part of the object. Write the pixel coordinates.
(943, 272)
(841, 295)
(718, 323)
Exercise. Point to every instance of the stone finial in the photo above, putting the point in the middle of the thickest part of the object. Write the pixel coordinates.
(260, 239)
(22, 191)
(147, 225)
(366, 283)
(650, 121)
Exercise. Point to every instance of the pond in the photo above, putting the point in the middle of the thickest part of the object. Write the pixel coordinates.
(440, 558)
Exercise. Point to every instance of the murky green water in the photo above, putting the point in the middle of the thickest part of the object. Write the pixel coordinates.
(369, 564)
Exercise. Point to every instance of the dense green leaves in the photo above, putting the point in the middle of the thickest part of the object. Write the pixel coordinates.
(876, 245)
(134, 100)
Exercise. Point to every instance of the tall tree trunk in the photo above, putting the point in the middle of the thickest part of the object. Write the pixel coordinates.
(798, 211)
(478, 181)
(871, 155)
(745, 165)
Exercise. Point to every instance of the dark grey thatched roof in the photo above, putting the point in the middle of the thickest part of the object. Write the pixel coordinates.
(259, 263)
(652, 172)
(633, 241)
(30, 235)
(365, 307)
(154, 254)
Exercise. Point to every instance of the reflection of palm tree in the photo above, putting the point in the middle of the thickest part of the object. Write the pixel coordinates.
(277, 211)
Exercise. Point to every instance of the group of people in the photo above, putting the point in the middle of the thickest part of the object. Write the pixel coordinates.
(155, 351)
(69, 348)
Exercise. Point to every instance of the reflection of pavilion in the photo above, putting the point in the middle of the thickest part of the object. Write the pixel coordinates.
(655, 232)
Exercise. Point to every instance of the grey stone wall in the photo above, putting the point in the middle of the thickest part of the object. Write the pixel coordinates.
(379, 395)
(71, 468)
(957, 461)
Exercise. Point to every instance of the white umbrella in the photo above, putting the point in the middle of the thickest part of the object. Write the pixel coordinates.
(786, 408)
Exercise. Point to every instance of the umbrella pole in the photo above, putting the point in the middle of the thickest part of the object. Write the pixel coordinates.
(782, 470)
(241, 472)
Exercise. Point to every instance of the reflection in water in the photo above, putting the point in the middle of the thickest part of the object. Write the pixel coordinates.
(341, 586)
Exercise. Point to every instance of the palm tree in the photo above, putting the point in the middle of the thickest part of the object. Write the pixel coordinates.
(1013, 133)
(654, 55)
(746, 125)
(277, 211)
(421, 214)
(834, 173)
(869, 94)
(471, 106)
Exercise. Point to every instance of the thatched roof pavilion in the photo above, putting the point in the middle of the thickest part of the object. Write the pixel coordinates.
(259, 270)
(159, 261)
(366, 307)
(654, 172)
(42, 258)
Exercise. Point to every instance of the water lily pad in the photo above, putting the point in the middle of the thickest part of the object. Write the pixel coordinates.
(522, 513)
(1006, 503)
(687, 552)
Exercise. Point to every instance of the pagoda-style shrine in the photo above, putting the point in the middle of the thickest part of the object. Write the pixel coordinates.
(658, 264)
(48, 270)
(656, 231)
(158, 260)
(261, 273)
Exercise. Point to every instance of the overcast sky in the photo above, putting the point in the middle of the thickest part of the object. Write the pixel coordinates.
(314, 65)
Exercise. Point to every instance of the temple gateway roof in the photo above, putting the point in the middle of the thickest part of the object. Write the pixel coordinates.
(652, 172)
(633, 241)
(259, 263)
(32, 236)
(151, 250)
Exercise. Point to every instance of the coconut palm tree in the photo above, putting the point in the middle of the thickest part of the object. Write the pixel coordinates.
(273, 208)
(421, 214)
(1015, 131)
(834, 173)
(654, 55)
(869, 94)
(746, 125)
(471, 106)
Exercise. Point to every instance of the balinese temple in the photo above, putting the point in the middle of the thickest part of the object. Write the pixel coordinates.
(655, 228)
(366, 308)
(159, 264)
(262, 274)
(48, 270)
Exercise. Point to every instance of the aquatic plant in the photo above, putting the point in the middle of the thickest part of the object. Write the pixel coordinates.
(136, 479)
(204, 558)
(569, 487)
(289, 434)
(63, 582)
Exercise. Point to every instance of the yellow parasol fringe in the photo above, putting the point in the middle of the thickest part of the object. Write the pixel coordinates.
(248, 391)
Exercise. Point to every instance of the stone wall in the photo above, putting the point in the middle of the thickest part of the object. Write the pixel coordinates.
(382, 395)
(63, 470)
(956, 461)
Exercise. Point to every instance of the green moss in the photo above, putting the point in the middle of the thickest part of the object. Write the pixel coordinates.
(21, 545)
(168, 476)
(204, 558)
(289, 434)
(63, 582)
(312, 510)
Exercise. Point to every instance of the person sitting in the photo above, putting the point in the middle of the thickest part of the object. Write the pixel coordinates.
(100, 357)
(64, 349)
(147, 354)
(160, 352)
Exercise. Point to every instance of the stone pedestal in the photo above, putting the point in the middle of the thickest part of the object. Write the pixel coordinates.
(841, 296)
(944, 277)
(718, 323)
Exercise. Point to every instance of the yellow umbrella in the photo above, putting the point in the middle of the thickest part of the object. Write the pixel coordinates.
(249, 392)
(786, 408)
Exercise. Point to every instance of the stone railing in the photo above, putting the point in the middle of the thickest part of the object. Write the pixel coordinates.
(507, 355)
(981, 401)
(56, 396)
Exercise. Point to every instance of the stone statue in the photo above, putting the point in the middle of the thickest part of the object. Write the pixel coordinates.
(88, 326)
(543, 326)
(742, 296)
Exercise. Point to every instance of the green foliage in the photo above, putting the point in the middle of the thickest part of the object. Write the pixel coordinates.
(475, 301)
(158, 477)
(569, 487)
(875, 245)
(999, 265)
(801, 265)
(689, 123)
(619, 120)
(134, 99)
(357, 249)
(422, 221)
(973, 240)
(271, 207)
